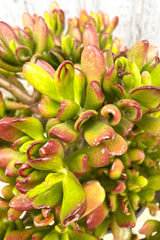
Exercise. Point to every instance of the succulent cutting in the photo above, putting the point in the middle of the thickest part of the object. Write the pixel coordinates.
(80, 130)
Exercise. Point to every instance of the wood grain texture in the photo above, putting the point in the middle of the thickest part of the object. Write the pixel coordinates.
(138, 19)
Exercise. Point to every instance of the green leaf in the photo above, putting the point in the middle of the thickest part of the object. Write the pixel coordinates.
(133, 69)
(93, 63)
(47, 19)
(49, 198)
(128, 82)
(11, 170)
(7, 155)
(64, 76)
(64, 131)
(7, 33)
(112, 25)
(119, 232)
(48, 108)
(51, 163)
(151, 226)
(101, 230)
(68, 110)
(130, 109)
(150, 64)
(67, 44)
(96, 132)
(77, 162)
(98, 156)
(125, 220)
(117, 92)
(97, 216)
(23, 148)
(124, 126)
(52, 147)
(148, 96)
(9, 132)
(40, 35)
(137, 183)
(56, 56)
(3, 227)
(46, 66)
(64, 236)
(19, 142)
(95, 195)
(10, 228)
(94, 96)
(150, 125)
(74, 200)
(2, 106)
(20, 234)
(41, 80)
(6, 179)
(155, 76)
(116, 146)
(90, 36)
(10, 68)
(134, 200)
(105, 42)
(116, 169)
(146, 78)
(147, 194)
(113, 200)
(138, 52)
(50, 123)
(23, 53)
(52, 235)
(57, 18)
(112, 113)
(40, 188)
(20, 202)
(153, 182)
(84, 236)
(78, 85)
(108, 58)
(110, 77)
(25, 39)
(7, 55)
(136, 155)
(31, 126)
(84, 117)
(53, 178)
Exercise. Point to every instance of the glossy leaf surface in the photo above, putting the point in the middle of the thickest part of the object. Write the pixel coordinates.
(93, 63)
(41, 80)
(74, 200)
(96, 132)
(148, 96)
(30, 126)
(64, 131)
(49, 198)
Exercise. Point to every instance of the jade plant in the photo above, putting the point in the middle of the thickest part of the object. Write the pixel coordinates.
(79, 152)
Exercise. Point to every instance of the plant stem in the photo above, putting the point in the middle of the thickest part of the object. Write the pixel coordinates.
(19, 93)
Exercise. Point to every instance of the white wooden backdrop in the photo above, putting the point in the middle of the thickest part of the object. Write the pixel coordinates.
(138, 19)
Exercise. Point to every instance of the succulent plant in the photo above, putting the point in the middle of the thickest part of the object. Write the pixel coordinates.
(80, 155)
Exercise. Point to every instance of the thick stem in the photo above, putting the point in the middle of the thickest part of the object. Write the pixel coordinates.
(36, 96)
(19, 93)
(14, 80)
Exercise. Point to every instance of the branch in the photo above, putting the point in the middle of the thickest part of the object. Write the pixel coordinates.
(36, 96)
(19, 93)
